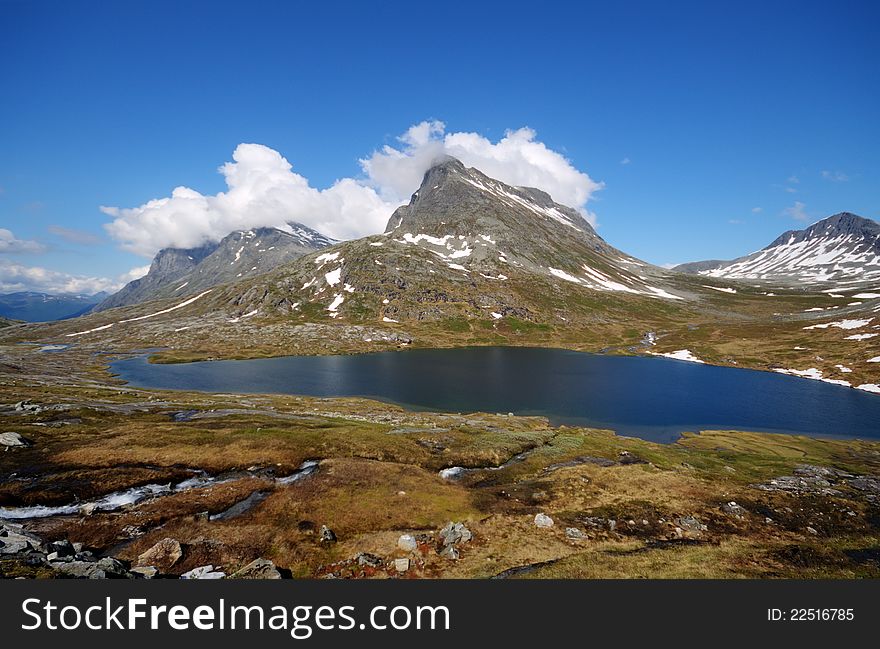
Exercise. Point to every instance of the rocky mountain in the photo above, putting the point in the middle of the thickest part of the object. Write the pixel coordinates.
(843, 249)
(241, 254)
(32, 306)
(465, 245)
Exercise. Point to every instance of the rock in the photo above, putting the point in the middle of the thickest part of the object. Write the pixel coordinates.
(54, 556)
(574, 534)
(147, 572)
(452, 472)
(13, 544)
(543, 521)
(625, 457)
(257, 569)
(367, 559)
(453, 533)
(401, 565)
(88, 509)
(203, 572)
(691, 524)
(678, 533)
(80, 569)
(27, 406)
(327, 535)
(163, 555)
(812, 530)
(407, 543)
(111, 567)
(540, 497)
(10, 440)
(450, 552)
(733, 509)
(62, 548)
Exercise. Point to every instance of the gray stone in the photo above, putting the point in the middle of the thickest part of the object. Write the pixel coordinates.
(146, 572)
(111, 566)
(367, 559)
(574, 534)
(543, 521)
(63, 548)
(257, 569)
(691, 524)
(203, 572)
(450, 552)
(733, 509)
(407, 543)
(11, 440)
(80, 570)
(453, 533)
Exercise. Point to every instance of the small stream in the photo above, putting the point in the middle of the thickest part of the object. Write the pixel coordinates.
(127, 497)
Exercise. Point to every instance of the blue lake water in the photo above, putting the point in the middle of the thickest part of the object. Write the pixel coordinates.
(651, 398)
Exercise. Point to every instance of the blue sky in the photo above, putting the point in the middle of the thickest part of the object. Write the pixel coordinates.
(713, 128)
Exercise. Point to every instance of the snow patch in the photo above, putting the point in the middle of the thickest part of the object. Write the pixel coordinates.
(680, 355)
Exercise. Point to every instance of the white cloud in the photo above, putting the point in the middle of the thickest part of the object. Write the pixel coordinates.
(625, 161)
(516, 159)
(796, 211)
(18, 277)
(835, 176)
(794, 180)
(263, 189)
(757, 210)
(8, 243)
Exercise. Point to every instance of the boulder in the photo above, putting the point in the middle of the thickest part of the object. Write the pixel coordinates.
(146, 572)
(62, 548)
(327, 535)
(10, 439)
(163, 555)
(574, 534)
(203, 572)
(105, 568)
(543, 521)
(450, 552)
(407, 543)
(367, 559)
(691, 524)
(453, 533)
(733, 509)
(257, 569)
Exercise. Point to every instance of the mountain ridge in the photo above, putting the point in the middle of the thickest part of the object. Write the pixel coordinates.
(186, 271)
(841, 247)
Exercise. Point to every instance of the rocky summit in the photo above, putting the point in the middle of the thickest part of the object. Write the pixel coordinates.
(245, 253)
(843, 248)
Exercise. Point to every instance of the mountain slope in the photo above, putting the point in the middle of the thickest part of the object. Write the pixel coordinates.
(843, 248)
(465, 245)
(176, 271)
(42, 307)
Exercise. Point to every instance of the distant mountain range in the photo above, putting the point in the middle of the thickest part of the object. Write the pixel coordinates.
(42, 307)
(843, 248)
(241, 254)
